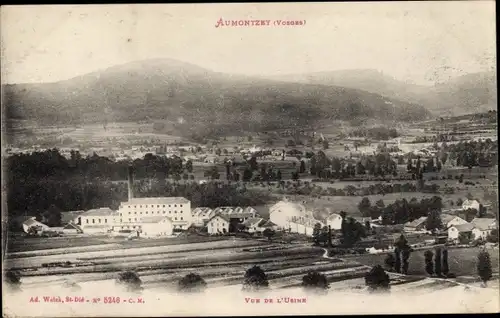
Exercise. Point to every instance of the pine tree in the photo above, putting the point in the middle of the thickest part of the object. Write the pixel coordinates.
(437, 262)
(484, 266)
(446, 269)
(429, 265)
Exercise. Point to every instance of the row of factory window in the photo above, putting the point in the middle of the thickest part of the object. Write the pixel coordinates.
(138, 227)
(153, 212)
(93, 221)
(135, 219)
(152, 206)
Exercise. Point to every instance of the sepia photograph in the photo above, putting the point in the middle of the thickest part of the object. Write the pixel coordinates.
(258, 159)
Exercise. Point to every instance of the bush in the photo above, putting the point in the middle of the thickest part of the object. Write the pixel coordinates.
(377, 279)
(130, 281)
(192, 283)
(12, 281)
(255, 279)
(429, 264)
(315, 282)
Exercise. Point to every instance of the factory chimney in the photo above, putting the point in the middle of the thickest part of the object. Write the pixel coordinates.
(130, 183)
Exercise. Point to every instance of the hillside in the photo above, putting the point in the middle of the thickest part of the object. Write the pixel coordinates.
(465, 94)
(188, 96)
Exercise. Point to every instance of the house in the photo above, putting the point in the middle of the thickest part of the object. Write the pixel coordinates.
(32, 222)
(282, 212)
(456, 232)
(483, 227)
(334, 220)
(71, 228)
(304, 225)
(201, 215)
(211, 159)
(416, 225)
(449, 220)
(470, 204)
(96, 220)
(218, 224)
(258, 225)
(156, 226)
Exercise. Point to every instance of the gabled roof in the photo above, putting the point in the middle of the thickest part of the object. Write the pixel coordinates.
(222, 216)
(470, 202)
(33, 222)
(483, 224)
(267, 224)
(154, 219)
(333, 216)
(239, 215)
(253, 222)
(417, 222)
(99, 212)
(466, 227)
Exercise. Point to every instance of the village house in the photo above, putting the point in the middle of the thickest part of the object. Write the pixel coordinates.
(416, 225)
(156, 226)
(32, 222)
(334, 220)
(257, 225)
(449, 220)
(460, 231)
(470, 204)
(218, 224)
(483, 227)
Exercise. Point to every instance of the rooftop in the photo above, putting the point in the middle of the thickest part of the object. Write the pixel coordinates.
(158, 200)
(417, 222)
(99, 212)
(467, 227)
(483, 223)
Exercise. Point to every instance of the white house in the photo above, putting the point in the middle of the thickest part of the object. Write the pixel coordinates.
(219, 224)
(483, 227)
(282, 212)
(334, 220)
(449, 220)
(96, 220)
(455, 231)
(304, 225)
(32, 222)
(156, 226)
(470, 204)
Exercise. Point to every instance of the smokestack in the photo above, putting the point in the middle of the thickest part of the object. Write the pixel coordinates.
(130, 183)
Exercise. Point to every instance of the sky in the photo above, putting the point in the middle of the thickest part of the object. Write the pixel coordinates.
(418, 42)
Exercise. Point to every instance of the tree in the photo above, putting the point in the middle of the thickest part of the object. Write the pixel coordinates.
(189, 166)
(130, 281)
(191, 283)
(389, 262)
(255, 279)
(325, 144)
(446, 268)
(315, 282)
(12, 281)
(377, 279)
(269, 233)
(429, 264)
(33, 230)
(484, 266)
(317, 233)
(405, 255)
(53, 216)
(433, 221)
(278, 175)
(364, 206)
(247, 174)
(437, 262)
(302, 168)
